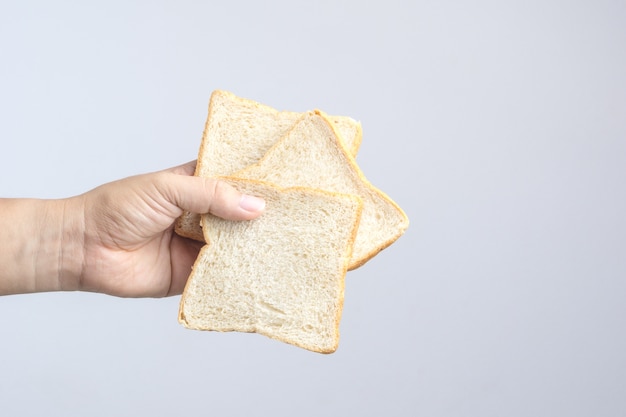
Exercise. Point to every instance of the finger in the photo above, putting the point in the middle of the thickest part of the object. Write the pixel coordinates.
(209, 195)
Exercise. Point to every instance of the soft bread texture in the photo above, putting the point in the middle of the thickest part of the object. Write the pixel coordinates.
(280, 275)
(312, 155)
(238, 132)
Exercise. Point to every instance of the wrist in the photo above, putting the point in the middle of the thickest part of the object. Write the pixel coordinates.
(59, 241)
(41, 242)
(71, 232)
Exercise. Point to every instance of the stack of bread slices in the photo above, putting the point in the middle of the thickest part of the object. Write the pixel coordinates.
(282, 274)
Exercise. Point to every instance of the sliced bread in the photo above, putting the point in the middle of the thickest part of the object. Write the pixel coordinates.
(238, 132)
(280, 275)
(311, 155)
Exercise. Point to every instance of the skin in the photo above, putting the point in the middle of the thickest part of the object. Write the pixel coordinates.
(116, 239)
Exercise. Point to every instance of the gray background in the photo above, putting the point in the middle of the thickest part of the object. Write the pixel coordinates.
(499, 127)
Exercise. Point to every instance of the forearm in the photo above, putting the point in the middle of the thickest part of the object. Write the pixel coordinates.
(40, 245)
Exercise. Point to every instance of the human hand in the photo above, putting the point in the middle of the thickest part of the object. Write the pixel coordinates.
(129, 245)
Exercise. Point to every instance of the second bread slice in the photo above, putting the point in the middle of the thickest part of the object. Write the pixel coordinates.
(311, 155)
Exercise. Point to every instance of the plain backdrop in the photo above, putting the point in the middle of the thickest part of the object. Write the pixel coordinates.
(498, 126)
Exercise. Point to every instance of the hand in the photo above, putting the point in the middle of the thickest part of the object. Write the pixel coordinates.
(129, 245)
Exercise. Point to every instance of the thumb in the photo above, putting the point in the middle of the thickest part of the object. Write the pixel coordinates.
(209, 195)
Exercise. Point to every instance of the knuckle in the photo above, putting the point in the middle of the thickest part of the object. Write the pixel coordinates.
(220, 193)
(212, 191)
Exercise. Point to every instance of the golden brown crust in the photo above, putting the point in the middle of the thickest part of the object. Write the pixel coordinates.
(356, 143)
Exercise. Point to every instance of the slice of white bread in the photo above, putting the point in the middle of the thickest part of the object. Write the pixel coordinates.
(311, 155)
(282, 274)
(238, 132)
